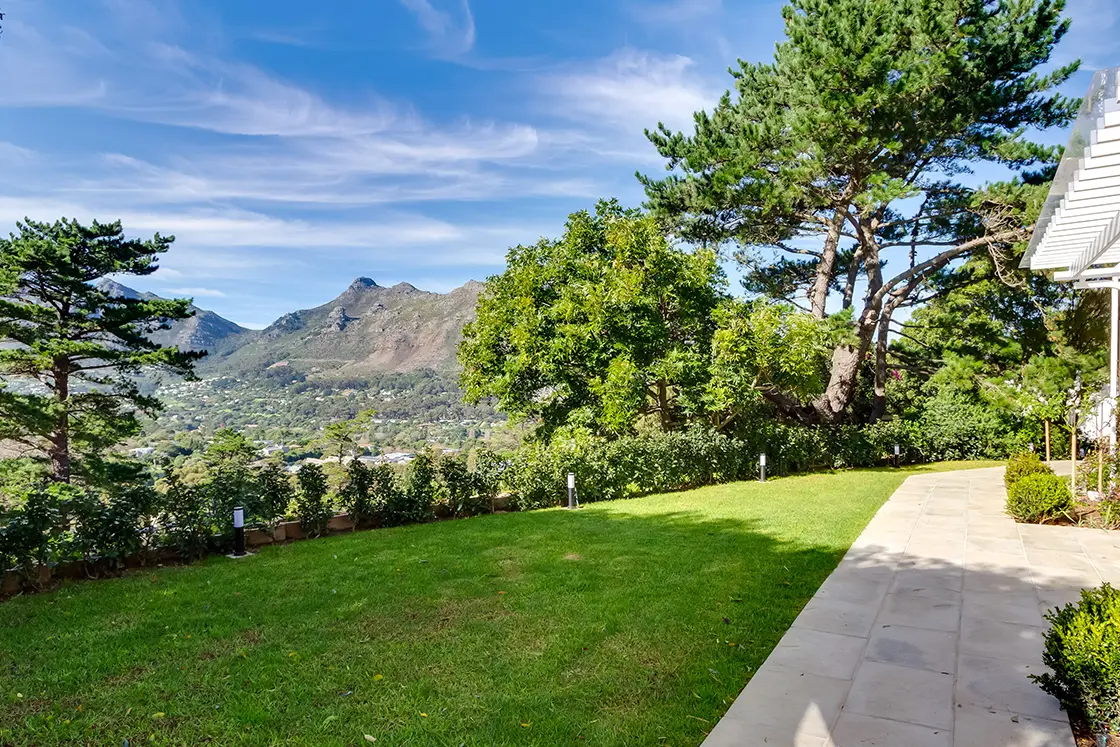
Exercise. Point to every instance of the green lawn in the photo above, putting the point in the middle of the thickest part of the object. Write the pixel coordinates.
(625, 623)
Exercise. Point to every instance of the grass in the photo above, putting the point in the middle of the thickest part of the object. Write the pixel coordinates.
(625, 623)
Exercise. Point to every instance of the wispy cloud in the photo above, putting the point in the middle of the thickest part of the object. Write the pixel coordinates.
(450, 34)
(627, 92)
(194, 292)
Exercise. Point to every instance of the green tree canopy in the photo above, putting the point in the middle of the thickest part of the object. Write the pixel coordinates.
(77, 344)
(606, 324)
(848, 150)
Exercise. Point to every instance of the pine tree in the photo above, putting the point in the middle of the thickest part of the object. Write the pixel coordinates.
(81, 345)
(848, 150)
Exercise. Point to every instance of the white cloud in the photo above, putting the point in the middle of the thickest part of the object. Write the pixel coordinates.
(634, 89)
(450, 36)
(194, 292)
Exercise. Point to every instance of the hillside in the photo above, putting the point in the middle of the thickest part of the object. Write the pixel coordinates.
(367, 329)
(203, 331)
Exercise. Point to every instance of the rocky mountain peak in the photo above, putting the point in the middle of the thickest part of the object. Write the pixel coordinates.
(361, 284)
(338, 319)
(115, 289)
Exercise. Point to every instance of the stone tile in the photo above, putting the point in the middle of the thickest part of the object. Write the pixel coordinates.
(980, 728)
(951, 578)
(904, 646)
(849, 586)
(854, 730)
(1038, 537)
(1018, 643)
(814, 652)
(1007, 606)
(930, 608)
(1074, 560)
(1000, 685)
(1064, 578)
(996, 529)
(991, 582)
(1012, 564)
(833, 616)
(731, 732)
(790, 702)
(915, 696)
(985, 543)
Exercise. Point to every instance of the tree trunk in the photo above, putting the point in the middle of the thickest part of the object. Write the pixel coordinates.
(1046, 424)
(853, 275)
(826, 268)
(60, 435)
(879, 403)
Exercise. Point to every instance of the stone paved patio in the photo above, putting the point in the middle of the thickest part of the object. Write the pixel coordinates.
(925, 633)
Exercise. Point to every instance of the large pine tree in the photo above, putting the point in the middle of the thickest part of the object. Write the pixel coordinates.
(850, 149)
(79, 345)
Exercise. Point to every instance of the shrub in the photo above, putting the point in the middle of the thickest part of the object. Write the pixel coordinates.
(31, 535)
(273, 495)
(414, 502)
(1038, 498)
(356, 495)
(312, 506)
(458, 486)
(1022, 464)
(1083, 652)
(113, 527)
(186, 518)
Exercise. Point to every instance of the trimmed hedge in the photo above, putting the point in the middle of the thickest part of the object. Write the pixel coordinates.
(1083, 654)
(1037, 498)
(1022, 464)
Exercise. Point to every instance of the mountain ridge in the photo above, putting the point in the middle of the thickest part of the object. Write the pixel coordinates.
(365, 329)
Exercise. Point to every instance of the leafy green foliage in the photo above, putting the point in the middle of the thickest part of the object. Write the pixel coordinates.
(461, 488)
(114, 527)
(1022, 464)
(413, 501)
(26, 539)
(273, 495)
(341, 436)
(79, 341)
(357, 496)
(810, 145)
(186, 518)
(1038, 498)
(1083, 653)
(313, 506)
(604, 325)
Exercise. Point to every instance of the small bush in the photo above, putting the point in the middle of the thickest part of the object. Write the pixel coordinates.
(1022, 464)
(274, 494)
(1038, 498)
(356, 495)
(414, 502)
(1083, 652)
(312, 506)
(186, 517)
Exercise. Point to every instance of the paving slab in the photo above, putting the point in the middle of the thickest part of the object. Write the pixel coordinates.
(927, 631)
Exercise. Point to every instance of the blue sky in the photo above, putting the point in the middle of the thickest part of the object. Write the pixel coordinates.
(292, 146)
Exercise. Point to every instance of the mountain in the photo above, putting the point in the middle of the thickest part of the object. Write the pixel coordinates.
(368, 328)
(203, 331)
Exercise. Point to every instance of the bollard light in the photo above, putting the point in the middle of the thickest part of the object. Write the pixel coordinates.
(238, 531)
(762, 467)
(571, 489)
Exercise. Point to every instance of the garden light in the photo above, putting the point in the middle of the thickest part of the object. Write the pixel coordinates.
(238, 532)
(571, 490)
(762, 467)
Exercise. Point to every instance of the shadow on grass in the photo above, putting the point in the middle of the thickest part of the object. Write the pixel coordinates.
(601, 626)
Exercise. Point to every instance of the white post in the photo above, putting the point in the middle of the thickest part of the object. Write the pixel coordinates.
(1114, 349)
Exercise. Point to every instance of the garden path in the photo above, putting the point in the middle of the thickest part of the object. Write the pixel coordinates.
(925, 633)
